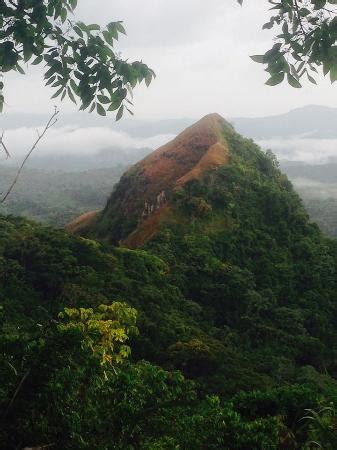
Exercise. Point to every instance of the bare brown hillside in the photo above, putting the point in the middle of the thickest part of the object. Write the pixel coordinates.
(142, 197)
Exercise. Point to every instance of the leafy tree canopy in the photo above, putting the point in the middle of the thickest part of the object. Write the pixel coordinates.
(80, 59)
(305, 41)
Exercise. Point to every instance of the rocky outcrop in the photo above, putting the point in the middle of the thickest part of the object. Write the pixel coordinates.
(150, 208)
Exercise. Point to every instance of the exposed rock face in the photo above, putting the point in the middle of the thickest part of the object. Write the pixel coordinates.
(150, 208)
(142, 196)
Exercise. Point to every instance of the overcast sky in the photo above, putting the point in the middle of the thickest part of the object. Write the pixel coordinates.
(200, 52)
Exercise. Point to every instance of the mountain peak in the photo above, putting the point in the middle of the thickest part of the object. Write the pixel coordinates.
(213, 117)
(143, 194)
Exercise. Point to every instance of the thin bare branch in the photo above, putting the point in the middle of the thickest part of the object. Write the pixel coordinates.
(51, 122)
(17, 390)
(2, 144)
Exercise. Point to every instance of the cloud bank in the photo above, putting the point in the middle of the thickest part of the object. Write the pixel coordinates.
(311, 151)
(72, 140)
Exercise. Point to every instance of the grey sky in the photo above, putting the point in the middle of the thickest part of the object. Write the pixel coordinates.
(199, 50)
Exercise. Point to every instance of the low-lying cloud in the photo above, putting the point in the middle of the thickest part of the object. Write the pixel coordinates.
(310, 151)
(73, 140)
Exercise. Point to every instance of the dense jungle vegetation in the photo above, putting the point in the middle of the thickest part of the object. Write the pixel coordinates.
(57, 197)
(220, 333)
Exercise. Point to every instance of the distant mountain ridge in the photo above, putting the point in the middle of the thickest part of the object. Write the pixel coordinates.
(312, 121)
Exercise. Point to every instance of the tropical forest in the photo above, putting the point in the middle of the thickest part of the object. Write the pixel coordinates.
(167, 283)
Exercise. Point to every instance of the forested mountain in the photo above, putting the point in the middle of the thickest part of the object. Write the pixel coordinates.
(302, 139)
(234, 289)
(56, 197)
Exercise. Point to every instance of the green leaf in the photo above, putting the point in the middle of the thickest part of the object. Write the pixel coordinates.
(74, 86)
(73, 3)
(51, 80)
(101, 111)
(103, 99)
(120, 113)
(148, 79)
(19, 69)
(311, 79)
(71, 96)
(120, 27)
(258, 58)
(293, 82)
(58, 92)
(333, 73)
(78, 30)
(37, 60)
(108, 37)
(275, 79)
(93, 27)
(63, 15)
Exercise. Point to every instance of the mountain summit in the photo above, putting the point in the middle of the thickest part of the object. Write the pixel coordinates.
(197, 180)
(142, 197)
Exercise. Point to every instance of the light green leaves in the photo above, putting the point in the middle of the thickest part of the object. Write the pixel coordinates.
(104, 331)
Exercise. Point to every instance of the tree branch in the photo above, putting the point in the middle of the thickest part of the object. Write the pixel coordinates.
(299, 17)
(2, 144)
(51, 122)
(17, 390)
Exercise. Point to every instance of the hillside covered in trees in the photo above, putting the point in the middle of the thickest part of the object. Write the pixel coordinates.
(198, 310)
(56, 197)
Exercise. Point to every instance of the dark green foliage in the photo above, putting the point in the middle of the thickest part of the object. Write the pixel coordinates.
(262, 273)
(306, 40)
(63, 395)
(81, 61)
(237, 292)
